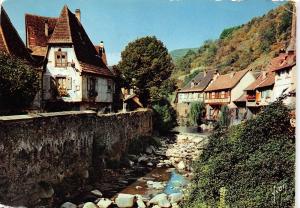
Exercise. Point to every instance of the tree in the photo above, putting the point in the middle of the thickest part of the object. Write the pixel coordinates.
(224, 120)
(254, 161)
(18, 82)
(145, 64)
(196, 113)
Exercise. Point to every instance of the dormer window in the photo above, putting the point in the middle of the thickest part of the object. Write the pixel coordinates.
(61, 59)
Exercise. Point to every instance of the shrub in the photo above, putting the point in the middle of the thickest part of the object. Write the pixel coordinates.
(164, 117)
(18, 82)
(196, 113)
(252, 161)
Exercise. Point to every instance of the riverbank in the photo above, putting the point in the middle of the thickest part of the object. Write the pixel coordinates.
(157, 177)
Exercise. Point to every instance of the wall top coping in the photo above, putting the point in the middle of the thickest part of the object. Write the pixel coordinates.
(63, 113)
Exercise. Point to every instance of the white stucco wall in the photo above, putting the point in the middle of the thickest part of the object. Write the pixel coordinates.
(188, 97)
(75, 93)
(79, 90)
(238, 90)
(285, 79)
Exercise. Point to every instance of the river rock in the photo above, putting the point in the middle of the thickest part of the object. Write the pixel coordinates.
(155, 200)
(125, 200)
(140, 203)
(97, 193)
(175, 205)
(67, 205)
(149, 150)
(156, 206)
(175, 197)
(181, 165)
(104, 203)
(90, 205)
(158, 185)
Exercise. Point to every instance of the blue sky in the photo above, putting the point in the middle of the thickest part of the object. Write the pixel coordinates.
(178, 23)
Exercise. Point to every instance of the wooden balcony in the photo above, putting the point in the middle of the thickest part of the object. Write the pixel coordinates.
(217, 100)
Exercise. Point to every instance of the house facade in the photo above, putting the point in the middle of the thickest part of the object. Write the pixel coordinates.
(193, 92)
(285, 78)
(225, 90)
(260, 92)
(75, 76)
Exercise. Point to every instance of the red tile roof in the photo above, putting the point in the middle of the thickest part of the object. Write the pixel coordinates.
(10, 41)
(266, 80)
(227, 81)
(283, 61)
(69, 30)
(35, 31)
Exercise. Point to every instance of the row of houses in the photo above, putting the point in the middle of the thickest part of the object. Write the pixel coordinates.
(245, 92)
(73, 71)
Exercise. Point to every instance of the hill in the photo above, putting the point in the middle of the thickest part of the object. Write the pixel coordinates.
(179, 53)
(250, 45)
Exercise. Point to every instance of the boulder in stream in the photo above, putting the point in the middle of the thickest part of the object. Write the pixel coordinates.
(175, 197)
(181, 165)
(67, 205)
(96, 192)
(125, 200)
(90, 205)
(104, 203)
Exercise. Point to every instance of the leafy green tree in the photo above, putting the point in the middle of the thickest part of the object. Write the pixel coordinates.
(224, 119)
(165, 118)
(196, 113)
(145, 64)
(253, 161)
(18, 83)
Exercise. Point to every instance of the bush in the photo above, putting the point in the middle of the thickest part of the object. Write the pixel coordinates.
(252, 161)
(164, 117)
(196, 113)
(18, 82)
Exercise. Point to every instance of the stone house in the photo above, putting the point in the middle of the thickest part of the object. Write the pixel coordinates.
(193, 92)
(75, 74)
(225, 90)
(12, 44)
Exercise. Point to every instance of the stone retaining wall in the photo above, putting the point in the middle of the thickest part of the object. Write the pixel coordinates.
(46, 148)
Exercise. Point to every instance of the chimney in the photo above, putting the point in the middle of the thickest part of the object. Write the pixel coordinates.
(46, 28)
(192, 83)
(292, 45)
(216, 74)
(204, 73)
(264, 74)
(102, 52)
(78, 14)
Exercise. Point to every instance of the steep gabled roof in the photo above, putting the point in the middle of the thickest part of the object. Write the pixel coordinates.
(69, 30)
(283, 61)
(36, 38)
(262, 81)
(10, 41)
(227, 81)
(201, 82)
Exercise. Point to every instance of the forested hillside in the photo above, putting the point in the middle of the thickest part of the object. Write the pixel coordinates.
(248, 45)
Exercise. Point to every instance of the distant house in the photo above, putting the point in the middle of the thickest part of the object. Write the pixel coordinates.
(75, 75)
(260, 92)
(285, 77)
(285, 70)
(12, 44)
(225, 90)
(193, 91)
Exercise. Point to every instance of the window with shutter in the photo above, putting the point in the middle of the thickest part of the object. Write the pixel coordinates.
(61, 59)
(69, 83)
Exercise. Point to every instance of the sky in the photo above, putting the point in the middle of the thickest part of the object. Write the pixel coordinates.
(177, 23)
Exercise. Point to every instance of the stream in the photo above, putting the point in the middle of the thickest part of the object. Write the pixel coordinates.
(166, 169)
